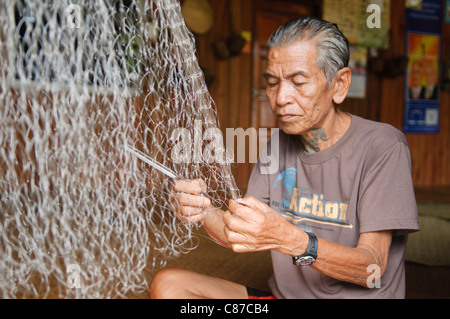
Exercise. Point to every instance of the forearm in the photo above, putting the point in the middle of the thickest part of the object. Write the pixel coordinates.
(346, 263)
(214, 225)
(349, 264)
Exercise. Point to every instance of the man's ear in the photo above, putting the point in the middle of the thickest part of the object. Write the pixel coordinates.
(341, 85)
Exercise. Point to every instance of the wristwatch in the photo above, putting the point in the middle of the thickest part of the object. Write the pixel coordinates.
(309, 257)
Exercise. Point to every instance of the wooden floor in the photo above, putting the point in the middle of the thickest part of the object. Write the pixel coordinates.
(422, 282)
(425, 282)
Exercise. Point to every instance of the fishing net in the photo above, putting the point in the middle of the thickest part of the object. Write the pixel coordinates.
(88, 91)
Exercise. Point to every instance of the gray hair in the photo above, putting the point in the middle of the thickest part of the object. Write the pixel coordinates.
(332, 46)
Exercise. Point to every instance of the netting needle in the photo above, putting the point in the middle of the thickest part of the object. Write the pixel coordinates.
(152, 162)
(158, 166)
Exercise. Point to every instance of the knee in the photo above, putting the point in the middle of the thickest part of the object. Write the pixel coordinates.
(166, 284)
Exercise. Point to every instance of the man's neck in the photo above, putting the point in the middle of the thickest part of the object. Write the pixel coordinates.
(332, 130)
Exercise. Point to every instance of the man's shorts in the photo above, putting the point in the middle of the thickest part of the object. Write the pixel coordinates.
(259, 294)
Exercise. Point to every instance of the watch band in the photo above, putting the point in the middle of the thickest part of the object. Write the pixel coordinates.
(309, 257)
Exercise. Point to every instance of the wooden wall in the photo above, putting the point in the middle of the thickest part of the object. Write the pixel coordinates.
(232, 87)
(430, 153)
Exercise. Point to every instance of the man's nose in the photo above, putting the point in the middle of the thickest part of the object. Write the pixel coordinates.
(284, 94)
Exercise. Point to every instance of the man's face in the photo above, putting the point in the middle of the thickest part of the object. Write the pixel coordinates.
(416, 74)
(298, 91)
(430, 74)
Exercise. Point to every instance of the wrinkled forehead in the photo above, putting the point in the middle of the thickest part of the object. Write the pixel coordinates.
(299, 53)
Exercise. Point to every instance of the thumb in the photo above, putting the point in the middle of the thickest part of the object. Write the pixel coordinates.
(251, 202)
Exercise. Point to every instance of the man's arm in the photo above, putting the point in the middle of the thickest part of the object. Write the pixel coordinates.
(352, 264)
(255, 227)
(192, 206)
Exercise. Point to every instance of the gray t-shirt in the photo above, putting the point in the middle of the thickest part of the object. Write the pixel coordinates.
(360, 184)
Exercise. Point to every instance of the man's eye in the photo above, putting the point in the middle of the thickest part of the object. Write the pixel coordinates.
(271, 84)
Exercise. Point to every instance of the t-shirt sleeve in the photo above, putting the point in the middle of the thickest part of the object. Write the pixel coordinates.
(268, 164)
(387, 200)
(258, 185)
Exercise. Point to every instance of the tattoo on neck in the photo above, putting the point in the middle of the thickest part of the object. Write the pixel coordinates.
(312, 144)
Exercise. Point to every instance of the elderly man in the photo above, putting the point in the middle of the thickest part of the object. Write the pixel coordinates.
(337, 213)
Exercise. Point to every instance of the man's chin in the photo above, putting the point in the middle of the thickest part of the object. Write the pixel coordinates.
(291, 129)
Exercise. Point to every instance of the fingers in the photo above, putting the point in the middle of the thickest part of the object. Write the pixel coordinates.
(241, 239)
(187, 213)
(195, 186)
(249, 210)
(190, 217)
(250, 225)
(188, 200)
(235, 228)
(239, 242)
(200, 201)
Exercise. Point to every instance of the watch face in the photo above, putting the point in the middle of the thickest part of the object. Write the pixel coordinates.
(306, 261)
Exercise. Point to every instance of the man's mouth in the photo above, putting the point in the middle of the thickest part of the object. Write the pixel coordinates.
(287, 117)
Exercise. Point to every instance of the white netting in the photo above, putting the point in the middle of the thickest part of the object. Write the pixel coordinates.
(80, 215)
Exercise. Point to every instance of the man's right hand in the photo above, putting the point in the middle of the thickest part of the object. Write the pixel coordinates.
(189, 201)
